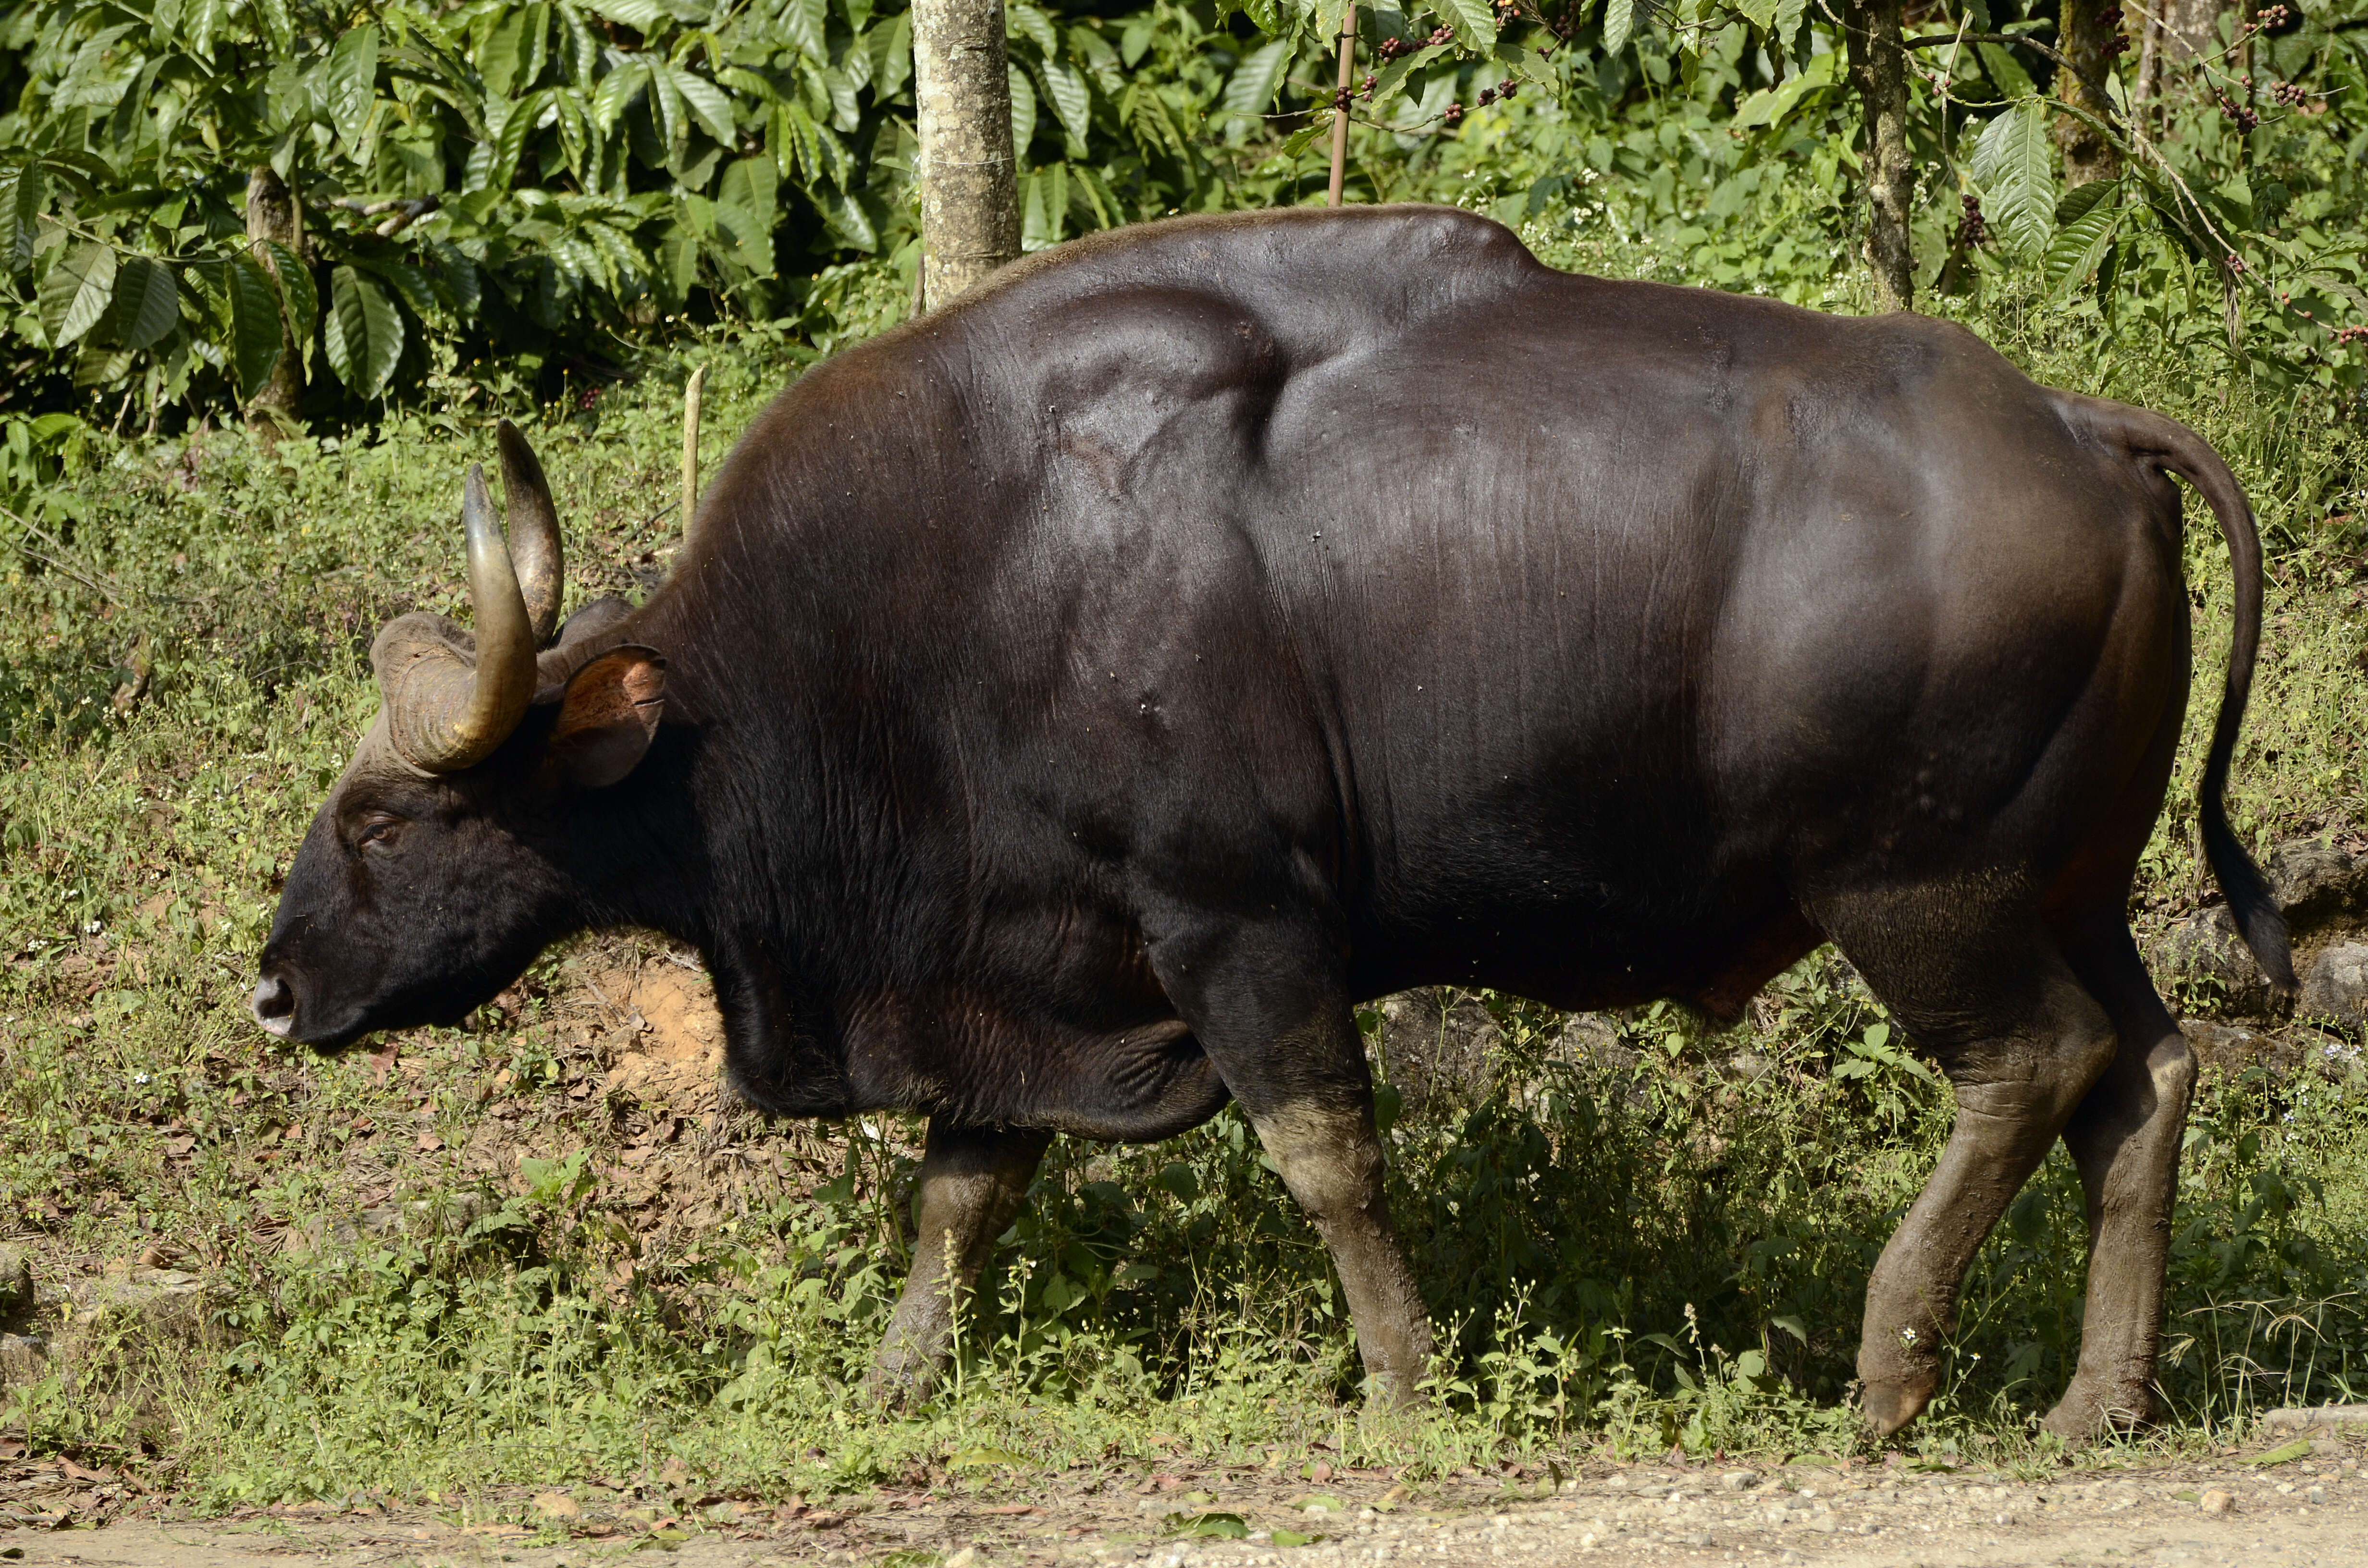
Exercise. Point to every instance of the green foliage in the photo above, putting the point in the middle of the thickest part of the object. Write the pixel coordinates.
(510, 192)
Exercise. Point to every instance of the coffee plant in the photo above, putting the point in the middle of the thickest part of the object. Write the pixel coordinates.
(496, 196)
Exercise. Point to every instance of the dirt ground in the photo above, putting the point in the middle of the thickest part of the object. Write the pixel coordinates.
(2311, 1508)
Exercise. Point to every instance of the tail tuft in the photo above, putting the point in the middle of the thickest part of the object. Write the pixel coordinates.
(2251, 901)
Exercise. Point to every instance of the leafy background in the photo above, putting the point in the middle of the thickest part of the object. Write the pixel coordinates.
(505, 201)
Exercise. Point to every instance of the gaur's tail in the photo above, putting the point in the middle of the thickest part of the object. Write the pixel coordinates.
(2149, 438)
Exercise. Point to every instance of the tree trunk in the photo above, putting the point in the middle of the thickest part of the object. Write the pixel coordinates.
(970, 188)
(273, 213)
(2191, 27)
(2091, 30)
(1878, 72)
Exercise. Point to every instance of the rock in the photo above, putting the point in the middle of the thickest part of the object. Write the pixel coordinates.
(1440, 1045)
(166, 1304)
(1739, 1480)
(2217, 1502)
(2232, 1047)
(2304, 1417)
(2204, 950)
(420, 1218)
(966, 1558)
(23, 1360)
(2337, 985)
(2317, 884)
(1595, 1039)
(15, 1286)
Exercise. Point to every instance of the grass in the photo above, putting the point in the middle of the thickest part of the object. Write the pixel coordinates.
(1659, 1240)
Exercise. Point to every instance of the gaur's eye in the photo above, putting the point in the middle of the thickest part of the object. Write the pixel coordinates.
(377, 828)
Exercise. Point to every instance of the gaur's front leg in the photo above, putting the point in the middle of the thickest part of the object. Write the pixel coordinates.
(973, 1180)
(1269, 1006)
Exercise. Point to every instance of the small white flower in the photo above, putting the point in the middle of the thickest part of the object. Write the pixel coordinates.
(1907, 1336)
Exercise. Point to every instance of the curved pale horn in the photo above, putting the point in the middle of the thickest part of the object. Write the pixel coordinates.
(534, 532)
(445, 710)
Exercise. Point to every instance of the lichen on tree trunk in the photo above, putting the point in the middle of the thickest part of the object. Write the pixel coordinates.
(970, 191)
(2090, 31)
(1878, 74)
(272, 213)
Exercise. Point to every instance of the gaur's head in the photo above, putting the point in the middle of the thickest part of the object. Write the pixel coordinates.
(434, 874)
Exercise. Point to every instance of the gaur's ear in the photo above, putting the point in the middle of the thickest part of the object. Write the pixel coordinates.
(608, 717)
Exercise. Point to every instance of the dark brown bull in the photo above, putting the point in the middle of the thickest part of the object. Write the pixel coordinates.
(1072, 702)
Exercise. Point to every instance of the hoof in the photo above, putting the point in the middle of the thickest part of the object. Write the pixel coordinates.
(2083, 1417)
(1889, 1405)
(900, 1383)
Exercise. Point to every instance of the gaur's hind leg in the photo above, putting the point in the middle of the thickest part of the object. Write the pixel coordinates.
(2125, 1137)
(1969, 969)
(973, 1180)
(1278, 1025)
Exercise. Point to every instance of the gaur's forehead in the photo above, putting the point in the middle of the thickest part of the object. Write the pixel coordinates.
(377, 768)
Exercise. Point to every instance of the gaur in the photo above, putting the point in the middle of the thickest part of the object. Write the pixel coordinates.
(1070, 703)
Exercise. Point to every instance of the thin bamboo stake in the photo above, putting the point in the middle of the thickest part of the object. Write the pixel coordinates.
(691, 395)
(1340, 102)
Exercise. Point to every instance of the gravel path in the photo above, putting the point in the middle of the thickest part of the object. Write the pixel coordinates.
(2311, 1510)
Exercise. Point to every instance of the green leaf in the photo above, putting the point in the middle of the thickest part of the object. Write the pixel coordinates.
(1252, 89)
(1618, 23)
(1208, 1527)
(297, 296)
(986, 1458)
(2014, 163)
(353, 84)
(1299, 140)
(254, 343)
(806, 23)
(503, 52)
(517, 129)
(21, 199)
(146, 305)
(1760, 14)
(849, 222)
(891, 60)
(2008, 76)
(1023, 109)
(673, 115)
(1024, 20)
(363, 332)
(2087, 230)
(1771, 105)
(278, 25)
(752, 185)
(1474, 22)
(707, 103)
(75, 292)
(1294, 1538)
(616, 91)
(645, 16)
(1405, 70)
(2299, 1449)
(1071, 101)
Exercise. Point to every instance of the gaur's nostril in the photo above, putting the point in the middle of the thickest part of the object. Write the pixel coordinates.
(273, 1003)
